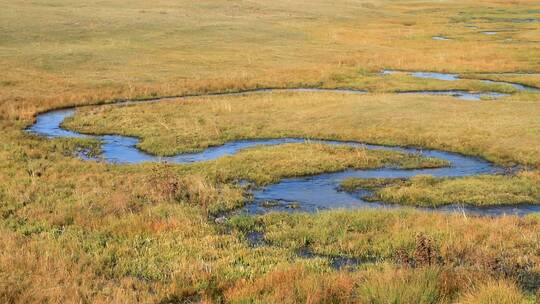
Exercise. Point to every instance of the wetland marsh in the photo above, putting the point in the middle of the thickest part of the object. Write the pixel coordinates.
(265, 152)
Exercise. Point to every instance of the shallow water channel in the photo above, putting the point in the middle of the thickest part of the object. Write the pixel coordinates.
(465, 95)
(312, 193)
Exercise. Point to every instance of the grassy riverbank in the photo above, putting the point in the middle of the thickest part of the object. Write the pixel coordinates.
(488, 129)
(428, 191)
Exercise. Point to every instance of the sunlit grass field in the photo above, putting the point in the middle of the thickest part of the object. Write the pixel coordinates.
(75, 231)
(60, 52)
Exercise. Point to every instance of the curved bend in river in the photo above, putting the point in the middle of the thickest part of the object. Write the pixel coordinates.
(312, 193)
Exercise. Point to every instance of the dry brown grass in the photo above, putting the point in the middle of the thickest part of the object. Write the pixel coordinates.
(494, 292)
(295, 285)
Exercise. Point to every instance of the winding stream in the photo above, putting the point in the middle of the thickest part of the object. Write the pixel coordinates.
(454, 77)
(311, 193)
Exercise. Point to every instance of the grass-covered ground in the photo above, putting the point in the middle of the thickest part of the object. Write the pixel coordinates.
(75, 231)
(61, 52)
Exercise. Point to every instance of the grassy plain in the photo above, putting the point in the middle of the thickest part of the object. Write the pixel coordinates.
(64, 52)
(75, 231)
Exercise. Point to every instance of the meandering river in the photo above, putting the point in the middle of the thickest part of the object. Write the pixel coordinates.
(319, 192)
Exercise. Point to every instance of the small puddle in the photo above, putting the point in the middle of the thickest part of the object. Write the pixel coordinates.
(255, 239)
(464, 95)
(440, 38)
(490, 33)
(433, 75)
(337, 262)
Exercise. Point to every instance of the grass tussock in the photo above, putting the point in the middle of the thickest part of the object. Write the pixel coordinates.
(495, 291)
(294, 285)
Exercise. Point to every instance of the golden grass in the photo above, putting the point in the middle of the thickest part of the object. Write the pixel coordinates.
(295, 285)
(71, 53)
(495, 292)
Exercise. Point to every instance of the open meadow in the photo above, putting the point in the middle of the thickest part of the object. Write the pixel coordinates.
(349, 151)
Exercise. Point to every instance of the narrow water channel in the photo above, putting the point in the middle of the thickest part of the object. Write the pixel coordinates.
(313, 193)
